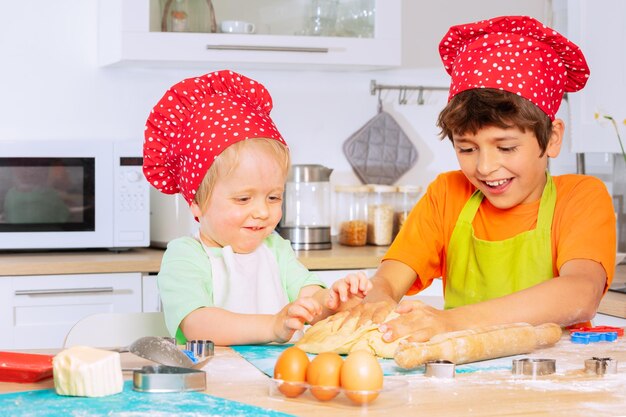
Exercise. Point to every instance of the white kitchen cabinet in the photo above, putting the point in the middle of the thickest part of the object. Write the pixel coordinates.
(151, 300)
(597, 26)
(130, 33)
(36, 312)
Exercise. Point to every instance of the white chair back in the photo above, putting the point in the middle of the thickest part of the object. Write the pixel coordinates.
(115, 329)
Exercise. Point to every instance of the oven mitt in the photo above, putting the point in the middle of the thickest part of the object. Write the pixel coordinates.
(380, 152)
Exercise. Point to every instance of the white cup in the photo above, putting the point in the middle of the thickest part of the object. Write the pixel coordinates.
(237, 26)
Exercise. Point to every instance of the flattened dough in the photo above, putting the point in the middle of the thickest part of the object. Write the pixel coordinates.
(459, 347)
(326, 336)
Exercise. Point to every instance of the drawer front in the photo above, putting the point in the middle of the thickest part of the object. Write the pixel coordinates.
(151, 298)
(44, 308)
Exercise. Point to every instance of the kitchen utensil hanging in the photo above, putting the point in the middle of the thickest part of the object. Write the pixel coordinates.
(403, 91)
(380, 152)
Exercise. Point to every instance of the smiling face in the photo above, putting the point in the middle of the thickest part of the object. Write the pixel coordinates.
(506, 164)
(245, 203)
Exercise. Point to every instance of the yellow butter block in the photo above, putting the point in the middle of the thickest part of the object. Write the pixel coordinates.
(87, 372)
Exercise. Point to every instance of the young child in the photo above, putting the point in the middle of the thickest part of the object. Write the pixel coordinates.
(211, 139)
(511, 242)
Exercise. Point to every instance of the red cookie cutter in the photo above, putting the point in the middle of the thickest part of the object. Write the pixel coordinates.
(598, 329)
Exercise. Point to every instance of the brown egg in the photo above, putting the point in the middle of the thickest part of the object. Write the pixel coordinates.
(291, 368)
(323, 374)
(361, 377)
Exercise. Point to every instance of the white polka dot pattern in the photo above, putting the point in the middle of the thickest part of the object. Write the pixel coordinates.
(516, 54)
(195, 121)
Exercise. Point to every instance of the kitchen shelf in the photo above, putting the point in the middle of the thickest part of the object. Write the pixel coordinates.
(128, 37)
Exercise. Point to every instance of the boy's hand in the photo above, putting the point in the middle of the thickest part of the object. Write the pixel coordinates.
(419, 320)
(293, 316)
(352, 285)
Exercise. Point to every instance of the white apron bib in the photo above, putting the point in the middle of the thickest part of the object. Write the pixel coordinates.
(246, 283)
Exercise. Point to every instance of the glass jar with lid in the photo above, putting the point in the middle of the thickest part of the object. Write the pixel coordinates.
(380, 211)
(351, 214)
(406, 198)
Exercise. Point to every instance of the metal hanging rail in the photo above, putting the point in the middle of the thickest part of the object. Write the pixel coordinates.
(403, 89)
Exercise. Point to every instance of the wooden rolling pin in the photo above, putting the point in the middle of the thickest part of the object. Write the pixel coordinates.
(478, 344)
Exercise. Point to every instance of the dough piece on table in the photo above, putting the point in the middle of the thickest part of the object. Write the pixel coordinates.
(87, 372)
(478, 344)
(326, 336)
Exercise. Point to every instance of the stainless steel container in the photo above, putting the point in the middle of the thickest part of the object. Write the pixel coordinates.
(306, 217)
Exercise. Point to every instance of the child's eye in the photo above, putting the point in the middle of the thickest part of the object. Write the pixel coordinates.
(276, 198)
(242, 199)
(465, 150)
(508, 149)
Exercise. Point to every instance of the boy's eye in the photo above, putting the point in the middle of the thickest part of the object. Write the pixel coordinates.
(508, 148)
(242, 199)
(276, 198)
(465, 150)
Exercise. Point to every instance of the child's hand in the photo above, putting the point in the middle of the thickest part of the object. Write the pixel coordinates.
(353, 285)
(293, 317)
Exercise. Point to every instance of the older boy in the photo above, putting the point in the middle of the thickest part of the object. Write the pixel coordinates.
(511, 242)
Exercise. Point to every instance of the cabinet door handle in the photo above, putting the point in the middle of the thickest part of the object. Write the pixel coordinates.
(53, 291)
(267, 48)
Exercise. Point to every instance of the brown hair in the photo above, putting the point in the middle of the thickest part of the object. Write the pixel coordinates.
(229, 158)
(471, 110)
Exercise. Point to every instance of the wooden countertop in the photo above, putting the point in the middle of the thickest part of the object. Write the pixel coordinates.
(80, 262)
(149, 260)
(343, 257)
(570, 392)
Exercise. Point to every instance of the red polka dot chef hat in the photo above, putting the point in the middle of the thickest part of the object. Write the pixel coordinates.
(517, 54)
(195, 121)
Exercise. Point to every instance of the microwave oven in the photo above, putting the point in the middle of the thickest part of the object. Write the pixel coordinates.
(71, 194)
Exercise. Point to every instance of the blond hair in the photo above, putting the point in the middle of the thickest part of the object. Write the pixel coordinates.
(229, 159)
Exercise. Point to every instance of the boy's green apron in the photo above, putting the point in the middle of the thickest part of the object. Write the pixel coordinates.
(480, 270)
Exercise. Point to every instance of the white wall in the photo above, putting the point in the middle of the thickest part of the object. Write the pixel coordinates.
(53, 88)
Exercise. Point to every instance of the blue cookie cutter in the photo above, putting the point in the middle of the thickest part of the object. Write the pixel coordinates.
(190, 355)
(584, 338)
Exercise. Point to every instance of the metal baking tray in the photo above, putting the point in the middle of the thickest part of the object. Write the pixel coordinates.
(162, 378)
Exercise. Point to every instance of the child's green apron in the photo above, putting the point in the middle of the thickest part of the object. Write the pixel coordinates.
(479, 270)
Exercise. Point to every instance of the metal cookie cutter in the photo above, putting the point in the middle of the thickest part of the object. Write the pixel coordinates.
(601, 366)
(162, 378)
(200, 348)
(440, 369)
(534, 367)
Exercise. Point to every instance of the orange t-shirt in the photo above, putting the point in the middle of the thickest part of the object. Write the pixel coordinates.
(583, 226)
